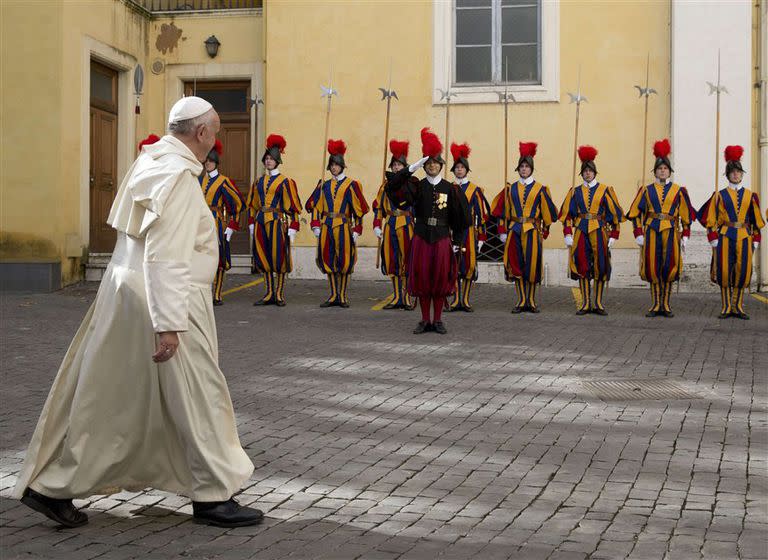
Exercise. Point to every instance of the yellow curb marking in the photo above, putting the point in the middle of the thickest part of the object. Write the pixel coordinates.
(243, 287)
(760, 298)
(380, 305)
(576, 297)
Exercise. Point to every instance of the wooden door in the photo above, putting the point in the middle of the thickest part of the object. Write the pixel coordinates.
(230, 99)
(103, 156)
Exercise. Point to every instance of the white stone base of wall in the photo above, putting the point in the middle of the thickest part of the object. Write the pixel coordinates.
(625, 267)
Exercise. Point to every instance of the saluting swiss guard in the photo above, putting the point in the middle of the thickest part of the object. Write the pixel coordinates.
(337, 207)
(733, 220)
(475, 235)
(273, 219)
(525, 211)
(226, 203)
(442, 215)
(657, 213)
(591, 215)
(394, 227)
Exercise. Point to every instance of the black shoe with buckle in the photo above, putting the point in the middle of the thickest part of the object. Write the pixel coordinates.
(599, 311)
(266, 301)
(439, 327)
(517, 309)
(422, 327)
(391, 305)
(226, 514)
(62, 512)
(280, 302)
(652, 313)
(583, 311)
(667, 313)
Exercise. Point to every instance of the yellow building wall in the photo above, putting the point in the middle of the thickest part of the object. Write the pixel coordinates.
(608, 40)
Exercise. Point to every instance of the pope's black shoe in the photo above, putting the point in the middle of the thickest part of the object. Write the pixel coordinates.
(62, 512)
(422, 327)
(225, 514)
(439, 327)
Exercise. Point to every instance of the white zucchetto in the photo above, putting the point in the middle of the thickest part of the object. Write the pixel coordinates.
(188, 108)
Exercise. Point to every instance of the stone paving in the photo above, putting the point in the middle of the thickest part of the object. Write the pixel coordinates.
(488, 442)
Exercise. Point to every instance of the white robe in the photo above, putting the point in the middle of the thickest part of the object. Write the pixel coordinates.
(114, 419)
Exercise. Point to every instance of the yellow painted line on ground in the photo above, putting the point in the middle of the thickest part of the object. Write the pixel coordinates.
(760, 298)
(243, 287)
(576, 297)
(380, 304)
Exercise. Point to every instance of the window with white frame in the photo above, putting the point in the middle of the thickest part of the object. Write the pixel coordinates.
(481, 46)
(497, 41)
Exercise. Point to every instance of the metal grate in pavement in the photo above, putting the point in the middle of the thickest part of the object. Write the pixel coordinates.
(638, 390)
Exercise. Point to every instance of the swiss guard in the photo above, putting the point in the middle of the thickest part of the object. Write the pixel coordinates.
(273, 219)
(442, 216)
(337, 207)
(525, 212)
(394, 228)
(474, 236)
(226, 203)
(659, 212)
(733, 220)
(591, 217)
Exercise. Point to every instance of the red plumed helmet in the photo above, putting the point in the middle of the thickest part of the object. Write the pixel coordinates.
(460, 151)
(149, 140)
(276, 141)
(662, 149)
(587, 153)
(398, 149)
(431, 145)
(733, 153)
(337, 147)
(528, 149)
(218, 147)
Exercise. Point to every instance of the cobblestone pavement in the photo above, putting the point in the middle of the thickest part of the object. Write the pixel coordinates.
(489, 442)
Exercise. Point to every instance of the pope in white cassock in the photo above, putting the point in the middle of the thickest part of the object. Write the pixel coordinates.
(139, 400)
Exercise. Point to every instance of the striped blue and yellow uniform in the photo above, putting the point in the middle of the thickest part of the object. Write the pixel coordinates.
(592, 214)
(734, 218)
(396, 234)
(226, 203)
(337, 208)
(662, 214)
(273, 208)
(525, 213)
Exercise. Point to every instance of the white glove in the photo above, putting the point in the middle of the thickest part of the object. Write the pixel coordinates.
(611, 241)
(377, 232)
(568, 240)
(480, 245)
(683, 242)
(503, 237)
(355, 235)
(714, 243)
(291, 234)
(755, 244)
(228, 233)
(640, 240)
(455, 248)
(251, 227)
(316, 231)
(418, 165)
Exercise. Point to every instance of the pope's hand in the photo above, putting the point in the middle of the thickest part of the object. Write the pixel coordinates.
(167, 343)
(316, 231)
(640, 239)
(569, 240)
(377, 232)
(228, 233)
(714, 243)
(503, 237)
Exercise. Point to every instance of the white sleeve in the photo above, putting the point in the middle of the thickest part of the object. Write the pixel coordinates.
(169, 244)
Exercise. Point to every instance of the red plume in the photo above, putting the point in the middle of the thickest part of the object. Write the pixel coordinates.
(460, 151)
(151, 139)
(276, 140)
(337, 147)
(733, 153)
(430, 143)
(661, 149)
(398, 149)
(528, 149)
(587, 153)
(218, 147)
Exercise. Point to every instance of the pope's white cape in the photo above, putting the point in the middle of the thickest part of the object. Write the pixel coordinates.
(114, 419)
